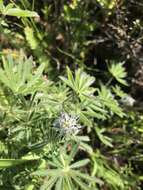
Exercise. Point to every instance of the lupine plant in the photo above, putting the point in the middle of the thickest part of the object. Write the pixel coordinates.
(42, 123)
(62, 127)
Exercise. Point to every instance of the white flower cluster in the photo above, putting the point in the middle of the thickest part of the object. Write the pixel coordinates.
(67, 124)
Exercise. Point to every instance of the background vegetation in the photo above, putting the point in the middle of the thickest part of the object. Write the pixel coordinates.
(71, 83)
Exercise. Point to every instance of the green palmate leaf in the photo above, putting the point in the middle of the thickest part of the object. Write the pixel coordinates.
(118, 91)
(63, 173)
(91, 106)
(80, 83)
(19, 77)
(19, 12)
(118, 71)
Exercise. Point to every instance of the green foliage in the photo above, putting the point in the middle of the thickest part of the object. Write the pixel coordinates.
(108, 100)
(30, 122)
(10, 10)
(104, 139)
(65, 174)
(81, 84)
(118, 71)
(18, 76)
(88, 104)
(102, 169)
(63, 120)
